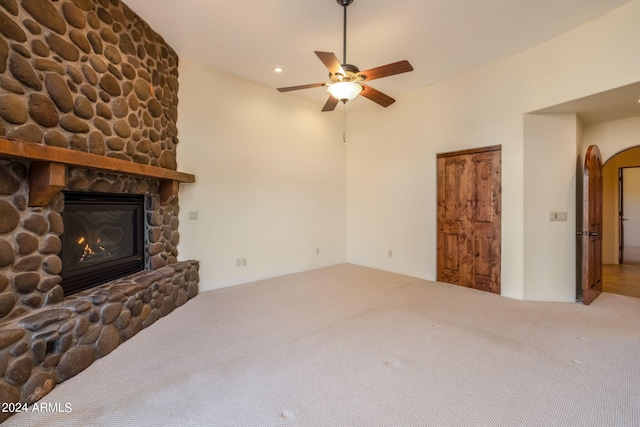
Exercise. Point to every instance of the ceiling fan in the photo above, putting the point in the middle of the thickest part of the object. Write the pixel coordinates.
(347, 79)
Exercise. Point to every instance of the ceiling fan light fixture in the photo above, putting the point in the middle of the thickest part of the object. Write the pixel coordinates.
(346, 78)
(344, 91)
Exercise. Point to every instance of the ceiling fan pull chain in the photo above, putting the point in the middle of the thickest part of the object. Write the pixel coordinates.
(344, 123)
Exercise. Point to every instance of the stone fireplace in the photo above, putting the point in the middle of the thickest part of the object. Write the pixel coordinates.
(103, 238)
(88, 107)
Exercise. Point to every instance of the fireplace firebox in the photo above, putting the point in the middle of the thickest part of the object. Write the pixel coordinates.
(103, 238)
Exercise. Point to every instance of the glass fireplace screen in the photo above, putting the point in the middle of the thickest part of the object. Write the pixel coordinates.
(102, 239)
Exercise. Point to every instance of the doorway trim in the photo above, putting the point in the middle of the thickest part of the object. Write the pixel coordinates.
(621, 218)
(470, 151)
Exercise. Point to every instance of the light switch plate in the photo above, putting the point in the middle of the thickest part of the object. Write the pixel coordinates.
(557, 216)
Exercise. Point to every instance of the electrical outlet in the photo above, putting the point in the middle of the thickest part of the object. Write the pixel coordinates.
(238, 262)
(317, 251)
(390, 253)
(244, 262)
(193, 215)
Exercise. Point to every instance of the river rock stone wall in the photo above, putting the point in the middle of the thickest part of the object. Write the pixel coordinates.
(88, 75)
(51, 345)
(29, 247)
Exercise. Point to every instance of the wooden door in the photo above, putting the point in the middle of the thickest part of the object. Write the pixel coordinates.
(469, 218)
(592, 226)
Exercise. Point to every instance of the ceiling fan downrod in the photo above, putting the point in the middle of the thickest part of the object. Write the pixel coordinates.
(344, 4)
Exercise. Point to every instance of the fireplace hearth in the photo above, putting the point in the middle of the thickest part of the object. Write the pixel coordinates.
(48, 334)
(103, 238)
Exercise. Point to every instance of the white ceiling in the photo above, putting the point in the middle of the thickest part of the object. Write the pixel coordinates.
(440, 38)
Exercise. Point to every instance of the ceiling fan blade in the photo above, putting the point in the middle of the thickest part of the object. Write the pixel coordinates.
(287, 89)
(387, 70)
(330, 60)
(330, 104)
(376, 96)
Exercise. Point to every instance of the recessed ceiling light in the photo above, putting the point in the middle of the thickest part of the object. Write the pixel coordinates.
(278, 69)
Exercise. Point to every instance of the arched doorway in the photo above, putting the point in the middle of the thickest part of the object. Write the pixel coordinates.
(621, 269)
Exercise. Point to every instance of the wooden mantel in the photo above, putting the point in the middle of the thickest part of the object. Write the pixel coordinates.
(47, 173)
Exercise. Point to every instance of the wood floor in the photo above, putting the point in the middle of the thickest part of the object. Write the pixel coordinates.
(623, 279)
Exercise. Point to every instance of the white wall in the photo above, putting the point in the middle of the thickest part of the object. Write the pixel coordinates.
(391, 171)
(391, 156)
(270, 179)
(271, 169)
(613, 136)
(550, 144)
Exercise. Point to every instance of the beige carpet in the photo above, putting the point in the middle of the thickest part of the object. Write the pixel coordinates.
(353, 346)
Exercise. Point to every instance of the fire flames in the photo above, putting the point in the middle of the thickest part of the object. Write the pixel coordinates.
(90, 251)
